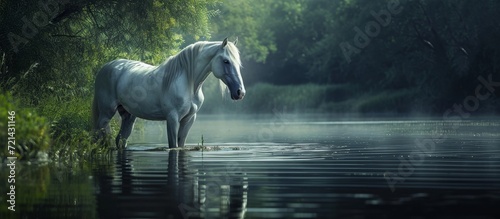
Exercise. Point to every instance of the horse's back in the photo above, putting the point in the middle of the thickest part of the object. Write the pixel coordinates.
(123, 66)
(119, 70)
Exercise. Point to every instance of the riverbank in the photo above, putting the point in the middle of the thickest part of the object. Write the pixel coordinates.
(49, 131)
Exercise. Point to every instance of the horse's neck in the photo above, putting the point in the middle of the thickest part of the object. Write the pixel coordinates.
(195, 62)
(202, 66)
(200, 77)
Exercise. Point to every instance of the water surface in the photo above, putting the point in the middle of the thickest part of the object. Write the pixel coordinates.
(281, 166)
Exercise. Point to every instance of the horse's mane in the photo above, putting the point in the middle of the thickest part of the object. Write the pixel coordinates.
(176, 65)
(184, 61)
(234, 54)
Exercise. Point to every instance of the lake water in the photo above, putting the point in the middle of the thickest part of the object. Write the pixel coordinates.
(279, 166)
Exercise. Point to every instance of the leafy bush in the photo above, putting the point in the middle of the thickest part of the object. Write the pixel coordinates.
(67, 116)
(70, 127)
(31, 131)
(62, 130)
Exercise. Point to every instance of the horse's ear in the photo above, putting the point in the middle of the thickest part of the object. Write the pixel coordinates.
(224, 43)
(235, 41)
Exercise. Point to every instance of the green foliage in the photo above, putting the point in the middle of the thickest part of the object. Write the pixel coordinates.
(265, 98)
(70, 127)
(245, 19)
(68, 116)
(308, 97)
(399, 101)
(31, 131)
(427, 58)
(51, 69)
(59, 129)
(436, 47)
(65, 54)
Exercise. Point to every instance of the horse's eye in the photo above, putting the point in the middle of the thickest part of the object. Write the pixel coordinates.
(226, 61)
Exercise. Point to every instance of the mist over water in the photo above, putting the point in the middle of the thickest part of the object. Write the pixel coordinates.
(362, 69)
(324, 166)
(290, 166)
(286, 129)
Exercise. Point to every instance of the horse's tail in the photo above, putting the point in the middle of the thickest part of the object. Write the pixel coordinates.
(95, 106)
(95, 114)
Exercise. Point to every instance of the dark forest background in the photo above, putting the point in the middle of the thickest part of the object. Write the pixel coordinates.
(393, 56)
(367, 58)
(329, 56)
(406, 57)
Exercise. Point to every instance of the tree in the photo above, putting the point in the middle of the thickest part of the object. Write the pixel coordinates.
(431, 51)
(63, 43)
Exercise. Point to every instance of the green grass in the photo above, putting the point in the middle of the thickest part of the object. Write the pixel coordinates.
(60, 129)
(31, 131)
(264, 98)
(316, 98)
(387, 101)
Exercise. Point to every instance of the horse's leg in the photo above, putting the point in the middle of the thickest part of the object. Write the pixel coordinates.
(172, 130)
(125, 128)
(184, 128)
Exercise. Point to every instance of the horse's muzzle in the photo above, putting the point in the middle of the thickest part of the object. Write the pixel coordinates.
(239, 94)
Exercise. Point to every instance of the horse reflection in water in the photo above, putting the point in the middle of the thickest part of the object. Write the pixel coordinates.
(142, 187)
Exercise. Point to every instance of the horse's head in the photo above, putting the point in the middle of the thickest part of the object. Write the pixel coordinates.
(226, 67)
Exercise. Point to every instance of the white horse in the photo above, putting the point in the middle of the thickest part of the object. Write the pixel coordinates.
(171, 91)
